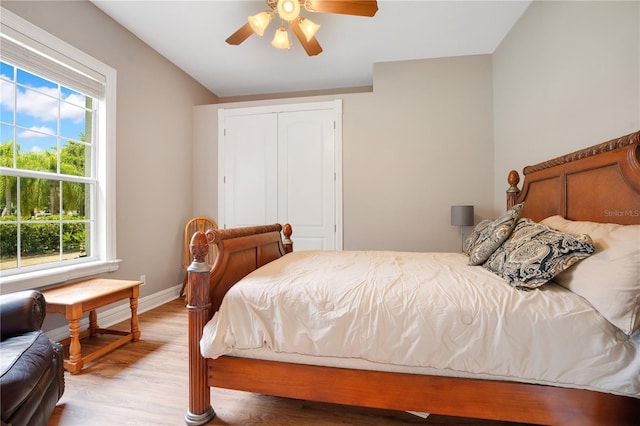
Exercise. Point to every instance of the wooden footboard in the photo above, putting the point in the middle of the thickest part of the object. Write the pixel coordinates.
(460, 397)
(240, 251)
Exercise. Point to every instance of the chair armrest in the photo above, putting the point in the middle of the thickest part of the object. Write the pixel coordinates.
(21, 312)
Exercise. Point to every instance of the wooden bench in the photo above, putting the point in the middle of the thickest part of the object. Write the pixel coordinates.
(73, 300)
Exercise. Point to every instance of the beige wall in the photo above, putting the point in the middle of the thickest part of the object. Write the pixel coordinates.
(566, 77)
(420, 142)
(154, 132)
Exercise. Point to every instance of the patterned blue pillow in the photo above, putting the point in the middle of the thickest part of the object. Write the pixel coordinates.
(534, 254)
(493, 235)
(473, 237)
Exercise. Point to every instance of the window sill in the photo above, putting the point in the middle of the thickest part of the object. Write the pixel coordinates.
(41, 279)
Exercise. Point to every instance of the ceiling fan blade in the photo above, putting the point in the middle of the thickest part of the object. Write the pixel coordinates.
(312, 47)
(343, 7)
(241, 35)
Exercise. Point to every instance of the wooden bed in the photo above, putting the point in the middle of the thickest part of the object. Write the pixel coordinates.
(599, 184)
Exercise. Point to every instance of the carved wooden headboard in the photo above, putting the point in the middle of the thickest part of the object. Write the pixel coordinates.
(599, 184)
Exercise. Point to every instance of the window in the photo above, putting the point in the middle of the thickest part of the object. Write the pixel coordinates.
(57, 183)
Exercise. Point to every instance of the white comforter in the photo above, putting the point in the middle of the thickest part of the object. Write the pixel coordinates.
(430, 311)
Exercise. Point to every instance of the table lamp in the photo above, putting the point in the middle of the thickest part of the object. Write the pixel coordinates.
(461, 216)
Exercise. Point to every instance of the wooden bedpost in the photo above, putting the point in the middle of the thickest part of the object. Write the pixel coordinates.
(513, 191)
(286, 242)
(198, 305)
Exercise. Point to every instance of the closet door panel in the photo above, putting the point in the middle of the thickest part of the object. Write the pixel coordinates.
(282, 163)
(250, 170)
(306, 183)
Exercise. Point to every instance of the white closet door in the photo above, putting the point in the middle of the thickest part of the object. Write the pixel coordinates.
(283, 164)
(306, 177)
(250, 170)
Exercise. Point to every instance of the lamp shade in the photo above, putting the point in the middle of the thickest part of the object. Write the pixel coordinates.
(260, 21)
(308, 28)
(281, 38)
(462, 215)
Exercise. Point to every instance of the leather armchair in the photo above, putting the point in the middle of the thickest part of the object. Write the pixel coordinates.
(31, 365)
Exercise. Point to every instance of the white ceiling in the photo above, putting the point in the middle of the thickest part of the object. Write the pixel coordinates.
(191, 34)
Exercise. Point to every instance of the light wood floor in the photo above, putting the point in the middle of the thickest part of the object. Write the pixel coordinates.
(145, 383)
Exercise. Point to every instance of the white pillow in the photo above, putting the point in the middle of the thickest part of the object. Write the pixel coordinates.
(610, 278)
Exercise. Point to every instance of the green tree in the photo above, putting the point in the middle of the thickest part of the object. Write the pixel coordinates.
(35, 193)
(74, 154)
(8, 184)
(72, 162)
(43, 194)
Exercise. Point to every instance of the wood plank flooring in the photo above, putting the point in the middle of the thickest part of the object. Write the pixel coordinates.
(146, 383)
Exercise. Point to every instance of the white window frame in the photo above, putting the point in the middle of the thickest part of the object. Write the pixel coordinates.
(105, 198)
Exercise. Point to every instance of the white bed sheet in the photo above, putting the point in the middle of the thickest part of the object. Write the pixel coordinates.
(427, 313)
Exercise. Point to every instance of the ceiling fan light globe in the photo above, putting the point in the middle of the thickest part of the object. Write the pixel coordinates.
(260, 22)
(288, 10)
(308, 28)
(281, 38)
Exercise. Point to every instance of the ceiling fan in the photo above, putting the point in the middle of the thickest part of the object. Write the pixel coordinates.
(303, 28)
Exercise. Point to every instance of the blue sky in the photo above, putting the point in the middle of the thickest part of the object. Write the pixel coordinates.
(44, 111)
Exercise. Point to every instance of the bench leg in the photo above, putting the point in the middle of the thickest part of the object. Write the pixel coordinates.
(74, 364)
(93, 323)
(135, 328)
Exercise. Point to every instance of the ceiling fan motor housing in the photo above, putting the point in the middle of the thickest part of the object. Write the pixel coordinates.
(288, 10)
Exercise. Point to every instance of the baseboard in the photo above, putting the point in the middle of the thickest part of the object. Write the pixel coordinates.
(121, 312)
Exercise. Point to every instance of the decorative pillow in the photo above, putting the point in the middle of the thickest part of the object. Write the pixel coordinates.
(534, 254)
(474, 235)
(493, 235)
(610, 279)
